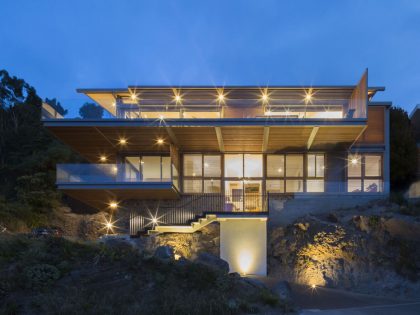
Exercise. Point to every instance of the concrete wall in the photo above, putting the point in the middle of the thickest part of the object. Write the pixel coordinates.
(243, 244)
(285, 210)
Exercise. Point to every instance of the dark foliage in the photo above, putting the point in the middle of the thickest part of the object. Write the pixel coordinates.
(28, 155)
(403, 150)
(56, 105)
(91, 111)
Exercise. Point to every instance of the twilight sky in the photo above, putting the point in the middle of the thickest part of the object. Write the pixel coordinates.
(58, 46)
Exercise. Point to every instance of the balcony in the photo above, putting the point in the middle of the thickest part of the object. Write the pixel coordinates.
(99, 184)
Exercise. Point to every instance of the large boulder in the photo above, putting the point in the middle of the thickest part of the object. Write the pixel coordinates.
(213, 262)
(164, 253)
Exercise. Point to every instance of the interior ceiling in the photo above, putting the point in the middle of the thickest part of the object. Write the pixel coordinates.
(92, 142)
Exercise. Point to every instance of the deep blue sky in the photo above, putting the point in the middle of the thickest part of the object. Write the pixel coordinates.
(58, 46)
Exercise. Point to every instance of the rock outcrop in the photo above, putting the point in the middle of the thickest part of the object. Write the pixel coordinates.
(364, 251)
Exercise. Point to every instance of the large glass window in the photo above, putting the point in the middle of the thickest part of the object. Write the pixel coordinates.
(234, 166)
(202, 173)
(315, 173)
(294, 165)
(147, 168)
(364, 172)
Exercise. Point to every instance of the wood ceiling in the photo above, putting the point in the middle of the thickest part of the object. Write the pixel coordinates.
(92, 142)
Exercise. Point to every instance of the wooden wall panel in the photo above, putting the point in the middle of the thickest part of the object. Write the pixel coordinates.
(358, 99)
(243, 112)
(375, 131)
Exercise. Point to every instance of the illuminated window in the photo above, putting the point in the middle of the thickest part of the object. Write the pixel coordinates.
(294, 165)
(202, 173)
(275, 165)
(315, 173)
(275, 185)
(253, 165)
(153, 168)
(234, 166)
(294, 185)
(364, 172)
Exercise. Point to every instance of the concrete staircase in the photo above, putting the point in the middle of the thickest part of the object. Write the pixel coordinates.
(194, 226)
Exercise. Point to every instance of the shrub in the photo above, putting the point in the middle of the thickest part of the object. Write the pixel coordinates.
(40, 276)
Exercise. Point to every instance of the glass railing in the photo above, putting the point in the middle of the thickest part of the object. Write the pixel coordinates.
(109, 173)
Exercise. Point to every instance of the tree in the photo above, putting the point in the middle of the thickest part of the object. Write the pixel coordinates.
(403, 149)
(28, 155)
(56, 105)
(91, 111)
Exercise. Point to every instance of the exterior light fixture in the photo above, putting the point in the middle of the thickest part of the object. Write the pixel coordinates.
(177, 97)
(264, 97)
(159, 141)
(114, 104)
(354, 161)
(122, 141)
(154, 221)
(134, 97)
(113, 205)
(313, 286)
(103, 158)
(161, 117)
(308, 96)
(109, 225)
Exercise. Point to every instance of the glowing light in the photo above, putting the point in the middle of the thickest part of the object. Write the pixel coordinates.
(280, 170)
(221, 97)
(308, 96)
(177, 97)
(245, 261)
(177, 257)
(159, 141)
(206, 164)
(122, 141)
(134, 97)
(313, 286)
(103, 158)
(154, 221)
(264, 97)
(109, 225)
(161, 117)
(354, 161)
(114, 104)
(114, 169)
(113, 205)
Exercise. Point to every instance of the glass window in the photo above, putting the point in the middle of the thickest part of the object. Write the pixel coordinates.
(192, 186)
(253, 165)
(294, 165)
(212, 166)
(294, 185)
(275, 185)
(212, 186)
(372, 185)
(275, 165)
(233, 165)
(151, 168)
(132, 168)
(166, 168)
(373, 165)
(193, 165)
(315, 185)
(354, 185)
(354, 166)
(315, 165)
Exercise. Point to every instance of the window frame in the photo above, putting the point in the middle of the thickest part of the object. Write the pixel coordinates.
(363, 175)
(202, 178)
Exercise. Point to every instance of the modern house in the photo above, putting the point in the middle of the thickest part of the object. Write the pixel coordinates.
(174, 159)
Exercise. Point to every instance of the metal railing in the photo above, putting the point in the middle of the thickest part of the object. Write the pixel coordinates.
(191, 207)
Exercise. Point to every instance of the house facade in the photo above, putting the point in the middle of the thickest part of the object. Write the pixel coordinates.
(174, 159)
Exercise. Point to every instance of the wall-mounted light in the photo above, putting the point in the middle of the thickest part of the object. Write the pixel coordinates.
(265, 97)
(103, 158)
(354, 161)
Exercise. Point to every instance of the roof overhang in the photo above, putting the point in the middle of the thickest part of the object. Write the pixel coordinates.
(95, 138)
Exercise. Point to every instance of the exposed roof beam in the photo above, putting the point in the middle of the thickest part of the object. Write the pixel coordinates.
(172, 136)
(312, 137)
(220, 139)
(265, 138)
